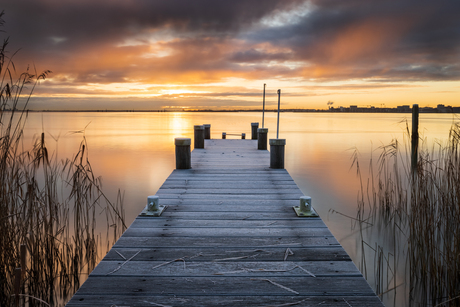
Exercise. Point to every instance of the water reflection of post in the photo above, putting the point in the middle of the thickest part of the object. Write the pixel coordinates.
(414, 152)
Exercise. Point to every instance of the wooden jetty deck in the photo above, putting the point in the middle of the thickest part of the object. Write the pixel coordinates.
(229, 237)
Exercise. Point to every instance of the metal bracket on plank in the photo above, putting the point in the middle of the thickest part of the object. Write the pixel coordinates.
(305, 209)
(153, 208)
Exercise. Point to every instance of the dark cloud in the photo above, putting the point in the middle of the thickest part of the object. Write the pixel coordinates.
(130, 103)
(183, 42)
(369, 36)
(83, 38)
(34, 21)
(375, 38)
(253, 55)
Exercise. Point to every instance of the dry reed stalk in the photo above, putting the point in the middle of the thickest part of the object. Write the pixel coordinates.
(277, 284)
(38, 194)
(168, 262)
(289, 304)
(121, 265)
(287, 253)
(305, 270)
(418, 217)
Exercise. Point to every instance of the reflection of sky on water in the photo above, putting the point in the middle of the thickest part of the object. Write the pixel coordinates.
(134, 152)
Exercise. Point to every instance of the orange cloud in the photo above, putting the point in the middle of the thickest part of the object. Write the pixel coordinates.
(125, 50)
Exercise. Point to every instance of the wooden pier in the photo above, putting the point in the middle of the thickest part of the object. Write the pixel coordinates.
(228, 237)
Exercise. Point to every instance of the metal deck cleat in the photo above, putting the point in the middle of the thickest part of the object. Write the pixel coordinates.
(305, 209)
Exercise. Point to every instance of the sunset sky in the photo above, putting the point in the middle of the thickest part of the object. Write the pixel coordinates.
(152, 54)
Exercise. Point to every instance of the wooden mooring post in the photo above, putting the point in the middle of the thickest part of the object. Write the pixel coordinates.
(207, 131)
(199, 136)
(254, 127)
(262, 134)
(277, 153)
(183, 156)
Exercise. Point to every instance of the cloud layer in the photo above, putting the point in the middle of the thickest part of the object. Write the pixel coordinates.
(139, 48)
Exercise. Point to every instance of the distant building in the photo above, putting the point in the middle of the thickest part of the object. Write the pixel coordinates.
(400, 109)
(404, 108)
(443, 109)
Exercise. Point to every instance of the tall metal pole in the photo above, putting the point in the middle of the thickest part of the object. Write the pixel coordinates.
(263, 109)
(278, 120)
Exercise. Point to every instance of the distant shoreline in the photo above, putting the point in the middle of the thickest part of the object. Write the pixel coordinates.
(331, 110)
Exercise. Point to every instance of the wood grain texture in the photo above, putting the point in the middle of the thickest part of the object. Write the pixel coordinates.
(229, 237)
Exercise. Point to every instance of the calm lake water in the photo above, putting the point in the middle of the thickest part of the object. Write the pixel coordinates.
(134, 152)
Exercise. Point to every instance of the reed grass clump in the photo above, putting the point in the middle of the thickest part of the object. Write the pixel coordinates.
(48, 206)
(416, 216)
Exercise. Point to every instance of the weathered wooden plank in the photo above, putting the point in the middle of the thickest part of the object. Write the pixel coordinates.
(286, 214)
(230, 232)
(209, 208)
(218, 160)
(216, 254)
(232, 163)
(166, 194)
(236, 165)
(272, 223)
(237, 268)
(224, 171)
(255, 170)
(252, 242)
(231, 177)
(223, 156)
(235, 191)
(232, 201)
(104, 300)
(257, 181)
(237, 184)
(223, 285)
(257, 173)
